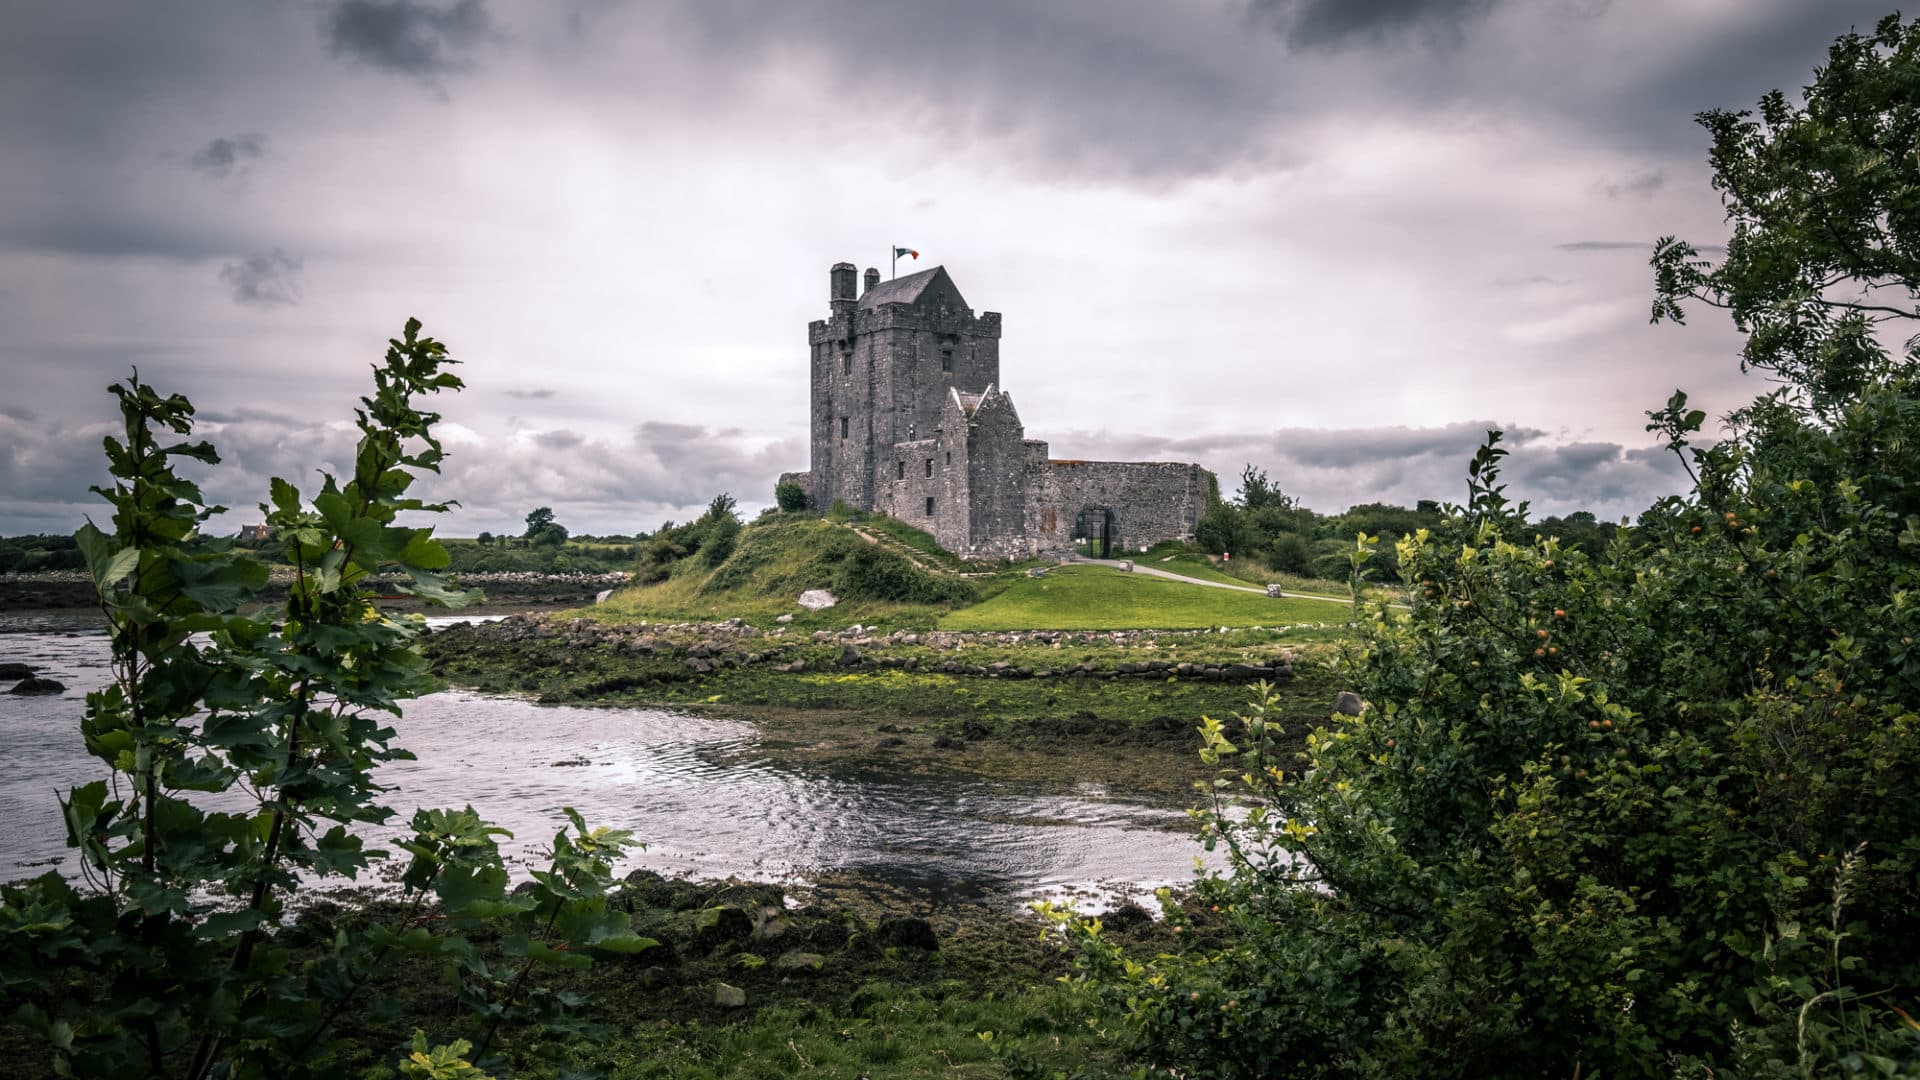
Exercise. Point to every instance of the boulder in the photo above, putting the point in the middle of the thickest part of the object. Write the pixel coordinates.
(788, 617)
(1348, 703)
(729, 997)
(907, 932)
(769, 925)
(816, 599)
(799, 961)
(12, 670)
(35, 685)
(715, 925)
(601, 596)
(849, 657)
(1274, 591)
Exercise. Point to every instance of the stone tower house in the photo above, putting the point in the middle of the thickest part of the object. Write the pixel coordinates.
(907, 418)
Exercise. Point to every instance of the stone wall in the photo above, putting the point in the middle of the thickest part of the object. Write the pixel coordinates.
(1151, 501)
(997, 478)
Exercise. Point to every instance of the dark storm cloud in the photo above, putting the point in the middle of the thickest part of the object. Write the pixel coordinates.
(115, 233)
(1084, 88)
(228, 154)
(406, 37)
(267, 280)
(1315, 24)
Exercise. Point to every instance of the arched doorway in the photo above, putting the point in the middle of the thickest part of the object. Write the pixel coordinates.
(1093, 533)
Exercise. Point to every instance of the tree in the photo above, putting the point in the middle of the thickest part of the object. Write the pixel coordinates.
(485, 539)
(176, 954)
(1258, 493)
(538, 521)
(1645, 811)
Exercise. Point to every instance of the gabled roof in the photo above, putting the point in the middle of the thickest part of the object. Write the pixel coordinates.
(931, 286)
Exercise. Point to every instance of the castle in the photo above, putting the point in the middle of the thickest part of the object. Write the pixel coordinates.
(908, 418)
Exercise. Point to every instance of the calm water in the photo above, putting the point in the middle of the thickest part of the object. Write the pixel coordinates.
(692, 787)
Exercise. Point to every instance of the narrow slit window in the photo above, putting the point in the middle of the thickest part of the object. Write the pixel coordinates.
(929, 466)
(949, 457)
(929, 506)
(946, 359)
(902, 475)
(843, 427)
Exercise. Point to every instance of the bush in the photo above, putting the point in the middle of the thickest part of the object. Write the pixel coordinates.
(1290, 553)
(790, 497)
(871, 573)
(176, 953)
(1646, 812)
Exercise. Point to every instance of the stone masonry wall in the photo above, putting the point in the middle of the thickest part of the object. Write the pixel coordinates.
(1151, 501)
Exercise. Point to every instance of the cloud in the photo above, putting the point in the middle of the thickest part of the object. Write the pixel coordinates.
(1641, 186)
(268, 280)
(1330, 470)
(1325, 24)
(536, 395)
(406, 37)
(228, 154)
(559, 440)
(1605, 245)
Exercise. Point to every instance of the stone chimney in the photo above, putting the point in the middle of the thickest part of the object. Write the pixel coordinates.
(840, 294)
(873, 278)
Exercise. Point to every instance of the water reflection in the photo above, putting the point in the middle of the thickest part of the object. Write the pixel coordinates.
(699, 790)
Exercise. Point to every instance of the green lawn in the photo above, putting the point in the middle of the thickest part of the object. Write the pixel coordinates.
(1099, 598)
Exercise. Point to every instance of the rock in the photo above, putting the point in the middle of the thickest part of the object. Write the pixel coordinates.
(1128, 916)
(1239, 672)
(33, 685)
(799, 961)
(822, 636)
(1274, 591)
(908, 932)
(816, 599)
(729, 997)
(701, 667)
(601, 596)
(770, 925)
(1348, 703)
(15, 671)
(890, 742)
(785, 618)
(849, 657)
(714, 925)
(948, 742)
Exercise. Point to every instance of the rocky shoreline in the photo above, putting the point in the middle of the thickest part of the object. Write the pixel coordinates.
(704, 648)
(66, 589)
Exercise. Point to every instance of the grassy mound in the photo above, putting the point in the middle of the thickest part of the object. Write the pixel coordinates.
(777, 558)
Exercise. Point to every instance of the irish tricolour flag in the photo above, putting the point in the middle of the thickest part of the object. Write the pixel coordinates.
(899, 251)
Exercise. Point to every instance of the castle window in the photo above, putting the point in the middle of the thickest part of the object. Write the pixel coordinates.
(929, 466)
(946, 359)
(843, 427)
(846, 358)
(929, 506)
(903, 470)
(949, 457)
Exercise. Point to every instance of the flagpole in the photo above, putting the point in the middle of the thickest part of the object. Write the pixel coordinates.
(894, 270)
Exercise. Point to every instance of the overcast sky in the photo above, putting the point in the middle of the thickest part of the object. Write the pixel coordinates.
(1338, 239)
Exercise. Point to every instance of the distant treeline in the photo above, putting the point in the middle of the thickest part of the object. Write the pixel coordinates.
(26, 554)
(1263, 523)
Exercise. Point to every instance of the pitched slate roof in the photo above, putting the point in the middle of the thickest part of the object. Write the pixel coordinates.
(927, 284)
